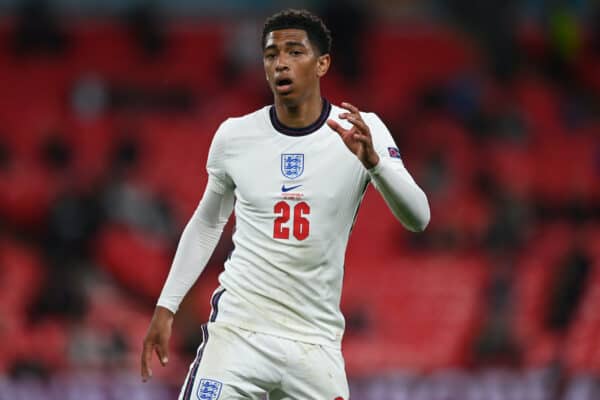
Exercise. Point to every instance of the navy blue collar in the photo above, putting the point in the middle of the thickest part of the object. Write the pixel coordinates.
(286, 130)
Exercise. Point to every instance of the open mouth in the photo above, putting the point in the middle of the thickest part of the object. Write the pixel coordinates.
(284, 84)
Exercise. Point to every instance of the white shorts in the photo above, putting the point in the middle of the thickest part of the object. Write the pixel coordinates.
(234, 363)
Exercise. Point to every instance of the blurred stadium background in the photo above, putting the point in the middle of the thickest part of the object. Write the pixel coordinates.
(107, 109)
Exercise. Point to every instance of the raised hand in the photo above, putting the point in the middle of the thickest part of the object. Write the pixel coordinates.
(358, 137)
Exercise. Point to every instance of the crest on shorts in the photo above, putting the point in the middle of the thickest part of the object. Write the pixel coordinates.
(209, 389)
(292, 165)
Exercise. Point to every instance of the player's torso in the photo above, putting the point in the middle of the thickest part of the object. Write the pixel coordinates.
(295, 188)
(296, 199)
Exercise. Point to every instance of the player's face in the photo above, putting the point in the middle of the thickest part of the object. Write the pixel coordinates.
(292, 66)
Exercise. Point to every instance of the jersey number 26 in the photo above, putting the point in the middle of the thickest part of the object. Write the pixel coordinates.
(300, 224)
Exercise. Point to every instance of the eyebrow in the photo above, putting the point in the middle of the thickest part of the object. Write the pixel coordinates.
(286, 44)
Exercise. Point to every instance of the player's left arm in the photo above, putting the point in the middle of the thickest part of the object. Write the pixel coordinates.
(404, 197)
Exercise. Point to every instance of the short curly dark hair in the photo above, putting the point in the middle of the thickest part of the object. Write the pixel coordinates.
(317, 32)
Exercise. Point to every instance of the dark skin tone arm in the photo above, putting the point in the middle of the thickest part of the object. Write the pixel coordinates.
(157, 340)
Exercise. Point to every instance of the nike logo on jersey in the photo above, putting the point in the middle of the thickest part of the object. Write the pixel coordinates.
(287, 189)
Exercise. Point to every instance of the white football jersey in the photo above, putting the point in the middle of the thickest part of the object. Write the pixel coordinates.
(297, 193)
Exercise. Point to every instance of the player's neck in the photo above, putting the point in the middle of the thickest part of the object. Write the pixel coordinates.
(299, 115)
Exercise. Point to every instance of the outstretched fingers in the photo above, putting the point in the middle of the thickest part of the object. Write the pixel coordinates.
(337, 127)
(350, 107)
(357, 121)
(358, 137)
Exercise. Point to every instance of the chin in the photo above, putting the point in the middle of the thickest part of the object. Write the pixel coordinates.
(289, 99)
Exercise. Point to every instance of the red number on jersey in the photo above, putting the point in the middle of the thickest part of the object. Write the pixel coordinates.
(301, 224)
(280, 231)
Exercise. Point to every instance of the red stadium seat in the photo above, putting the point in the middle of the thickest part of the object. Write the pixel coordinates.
(423, 309)
(138, 261)
(47, 342)
(26, 193)
(93, 143)
(565, 169)
(174, 163)
(540, 104)
(582, 342)
(21, 276)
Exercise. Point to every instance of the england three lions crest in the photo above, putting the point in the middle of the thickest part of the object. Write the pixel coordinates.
(292, 165)
(209, 389)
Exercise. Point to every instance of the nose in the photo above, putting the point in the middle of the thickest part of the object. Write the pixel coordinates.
(281, 64)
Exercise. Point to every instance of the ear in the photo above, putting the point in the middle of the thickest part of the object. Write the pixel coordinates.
(323, 63)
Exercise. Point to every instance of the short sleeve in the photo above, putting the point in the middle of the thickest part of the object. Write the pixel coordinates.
(216, 165)
(383, 141)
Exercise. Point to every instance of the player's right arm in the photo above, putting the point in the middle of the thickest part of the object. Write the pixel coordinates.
(197, 243)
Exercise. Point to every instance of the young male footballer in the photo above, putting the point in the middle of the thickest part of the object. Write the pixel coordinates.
(295, 173)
